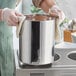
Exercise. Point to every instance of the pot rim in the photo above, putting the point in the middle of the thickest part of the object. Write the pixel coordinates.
(38, 17)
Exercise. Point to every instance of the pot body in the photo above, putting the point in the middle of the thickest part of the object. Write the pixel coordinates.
(36, 41)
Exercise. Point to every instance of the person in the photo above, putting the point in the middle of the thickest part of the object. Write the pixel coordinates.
(8, 16)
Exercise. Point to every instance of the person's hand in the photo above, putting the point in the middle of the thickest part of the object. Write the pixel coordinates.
(44, 4)
(10, 16)
(48, 6)
(56, 12)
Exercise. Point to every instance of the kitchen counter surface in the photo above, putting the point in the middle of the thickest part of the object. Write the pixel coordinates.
(63, 50)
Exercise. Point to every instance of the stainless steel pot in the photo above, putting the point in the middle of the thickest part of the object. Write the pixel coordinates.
(36, 40)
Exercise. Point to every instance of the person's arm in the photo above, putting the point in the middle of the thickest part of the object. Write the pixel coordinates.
(0, 14)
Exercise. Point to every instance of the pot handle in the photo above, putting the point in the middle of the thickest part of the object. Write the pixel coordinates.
(18, 27)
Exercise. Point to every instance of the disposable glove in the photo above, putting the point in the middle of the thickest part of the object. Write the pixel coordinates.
(10, 16)
(55, 11)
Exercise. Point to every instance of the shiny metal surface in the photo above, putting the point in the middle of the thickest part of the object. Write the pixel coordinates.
(36, 40)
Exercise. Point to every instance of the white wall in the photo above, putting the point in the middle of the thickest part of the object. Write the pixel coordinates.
(68, 6)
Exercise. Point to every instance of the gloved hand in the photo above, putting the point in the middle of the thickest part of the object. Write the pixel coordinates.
(56, 12)
(10, 16)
